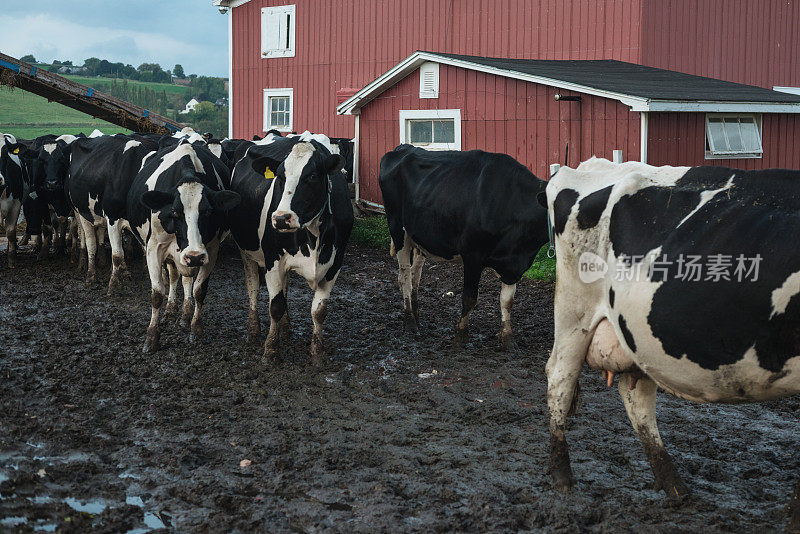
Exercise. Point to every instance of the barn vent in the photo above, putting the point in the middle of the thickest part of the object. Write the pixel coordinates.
(429, 80)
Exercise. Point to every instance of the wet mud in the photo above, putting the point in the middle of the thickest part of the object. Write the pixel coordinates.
(394, 434)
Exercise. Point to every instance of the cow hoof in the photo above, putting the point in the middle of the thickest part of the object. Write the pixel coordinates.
(676, 492)
(318, 357)
(461, 338)
(410, 325)
(151, 342)
(506, 341)
(562, 479)
(12, 261)
(82, 262)
(113, 284)
(195, 335)
(271, 357)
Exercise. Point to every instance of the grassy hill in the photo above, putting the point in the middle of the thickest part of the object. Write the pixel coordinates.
(27, 115)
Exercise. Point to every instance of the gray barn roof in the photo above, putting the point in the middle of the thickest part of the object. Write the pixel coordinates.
(642, 88)
(635, 80)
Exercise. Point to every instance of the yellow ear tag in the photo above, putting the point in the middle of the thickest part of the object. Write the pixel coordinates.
(15, 151)
(268, 174)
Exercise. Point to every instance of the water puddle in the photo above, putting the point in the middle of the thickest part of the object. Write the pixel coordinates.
(134, 500)
(13, 521)
(91, 507)
(46, 527)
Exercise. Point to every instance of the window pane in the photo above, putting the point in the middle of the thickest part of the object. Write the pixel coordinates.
(750, 138)
(734, 137)
(444, 131)
(274, 102)
(420, 131)
(716, 135)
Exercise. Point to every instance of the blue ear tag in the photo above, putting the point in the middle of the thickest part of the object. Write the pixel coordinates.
(268, 174)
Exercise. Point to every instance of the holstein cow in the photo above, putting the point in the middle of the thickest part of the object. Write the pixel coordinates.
(14, 189)
(47, 161)
(295, 216)
(102, 170)
(684, 278)
(476, 207)
(178, 208)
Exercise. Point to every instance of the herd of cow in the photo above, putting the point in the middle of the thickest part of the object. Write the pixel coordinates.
(624, 235)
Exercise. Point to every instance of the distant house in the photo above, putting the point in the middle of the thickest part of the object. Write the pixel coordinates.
(190, 105)
(221, 102)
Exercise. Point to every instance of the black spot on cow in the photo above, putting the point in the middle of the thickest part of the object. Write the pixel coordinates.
(627, 334)
(591, 207)
(715, 321)
(611, 296)
(562, 206)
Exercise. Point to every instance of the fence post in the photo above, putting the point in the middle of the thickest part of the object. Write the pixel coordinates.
(554, 169)
(617, 156)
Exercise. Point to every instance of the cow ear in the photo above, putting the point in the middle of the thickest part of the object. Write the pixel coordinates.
(18, 149)
(541, 197)
(257, 138)
(334, 163)
(225, 201)
(156, 200)
(266, 166)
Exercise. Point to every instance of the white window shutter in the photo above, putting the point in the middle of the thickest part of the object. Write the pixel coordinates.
(429, 80)
(270, 30)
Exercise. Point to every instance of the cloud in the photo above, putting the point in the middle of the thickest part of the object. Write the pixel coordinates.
(48, 38)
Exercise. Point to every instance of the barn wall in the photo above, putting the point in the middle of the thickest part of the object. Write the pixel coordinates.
(736, 40)
(348, 43)
(679, 139)
(501, 115)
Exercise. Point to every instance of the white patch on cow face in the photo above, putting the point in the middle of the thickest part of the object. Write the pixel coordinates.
(216, 149)
(172, 157)
(293, 166)
(782, 295)
(191, 194)
(131, 144)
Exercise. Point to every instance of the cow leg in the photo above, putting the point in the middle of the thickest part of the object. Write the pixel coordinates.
(47, 240)
(319, 310)
(506, 335)
(275, 279)
(200, 291)
(285, 326)
(640, 403)
(11, 211)
(251, 282)
(60, 236)
(151, 342)
(172, 298)
(469, 298)
(563, 369)
(90, 242)
(101, 258)
(418, 261)
(187, 309)
(79, 244)
(404, 280)
(118, 267)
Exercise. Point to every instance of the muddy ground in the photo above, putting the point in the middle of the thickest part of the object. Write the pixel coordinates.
(96, 435)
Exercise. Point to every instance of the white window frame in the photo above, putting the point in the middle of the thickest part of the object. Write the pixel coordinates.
(429, 71)
(278, 11)
(713, 152)
(269, 93)
(407, 115)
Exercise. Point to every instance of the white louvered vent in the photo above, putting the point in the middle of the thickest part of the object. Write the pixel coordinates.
(429, 80)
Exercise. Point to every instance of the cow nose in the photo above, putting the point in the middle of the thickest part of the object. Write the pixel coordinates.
(52, 184)
(194, 259)
(282, 221)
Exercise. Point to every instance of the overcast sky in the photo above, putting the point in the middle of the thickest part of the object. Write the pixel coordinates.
(189, 32)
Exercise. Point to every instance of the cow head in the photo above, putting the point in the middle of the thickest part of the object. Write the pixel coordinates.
(194, 213)
(306, 185)
(48, 162)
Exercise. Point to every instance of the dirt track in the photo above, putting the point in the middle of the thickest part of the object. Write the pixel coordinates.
(87, 422)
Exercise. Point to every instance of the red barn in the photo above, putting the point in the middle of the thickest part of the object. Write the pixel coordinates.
(294, 61)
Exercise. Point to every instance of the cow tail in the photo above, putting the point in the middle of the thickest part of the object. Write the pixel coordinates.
(392, 249)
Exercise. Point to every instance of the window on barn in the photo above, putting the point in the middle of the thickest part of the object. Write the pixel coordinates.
(731, 135)
(278, 109)
(277, 31)
(432, 129)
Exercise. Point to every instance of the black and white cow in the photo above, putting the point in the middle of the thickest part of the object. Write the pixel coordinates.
(47, 161)
(14, 189)
(178, 210)
(101, 172)
(476, 207)
(295, 216)
(684, 278)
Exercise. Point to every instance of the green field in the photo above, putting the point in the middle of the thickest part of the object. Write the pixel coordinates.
(26, 115)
